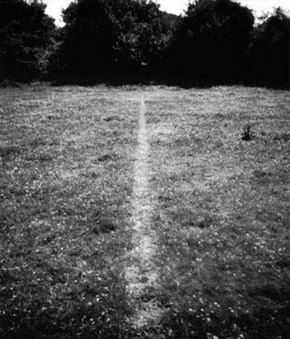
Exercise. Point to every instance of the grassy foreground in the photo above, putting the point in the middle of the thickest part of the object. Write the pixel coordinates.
(221, 211)
(65, 186)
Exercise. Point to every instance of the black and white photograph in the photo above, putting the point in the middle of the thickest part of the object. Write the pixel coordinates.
(144, 169)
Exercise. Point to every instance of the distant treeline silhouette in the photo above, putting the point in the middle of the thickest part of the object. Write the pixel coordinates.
(215, 41)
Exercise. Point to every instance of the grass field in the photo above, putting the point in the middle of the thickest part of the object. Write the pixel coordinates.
(221, 211)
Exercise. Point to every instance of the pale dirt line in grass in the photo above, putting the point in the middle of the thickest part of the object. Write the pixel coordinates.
(141, 272)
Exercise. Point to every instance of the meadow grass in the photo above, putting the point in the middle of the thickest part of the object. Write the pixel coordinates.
(221, 211)
(65, 186)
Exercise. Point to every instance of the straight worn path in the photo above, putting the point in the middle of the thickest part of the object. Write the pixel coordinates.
(141, 273)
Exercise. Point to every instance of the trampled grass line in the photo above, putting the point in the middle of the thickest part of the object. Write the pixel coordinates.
(141, 273)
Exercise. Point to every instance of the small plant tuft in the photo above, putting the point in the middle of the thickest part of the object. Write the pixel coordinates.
(248, 134)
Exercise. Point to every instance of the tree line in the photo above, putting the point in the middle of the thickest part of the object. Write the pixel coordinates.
(215, 41)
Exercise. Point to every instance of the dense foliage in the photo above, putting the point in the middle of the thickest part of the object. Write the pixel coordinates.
(216, 40)
(270, 52)
(213, 39)
(26, 36)
(89, 37)
(102, 37)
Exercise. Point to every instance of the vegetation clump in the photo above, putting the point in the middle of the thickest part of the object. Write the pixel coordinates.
(248, 134)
